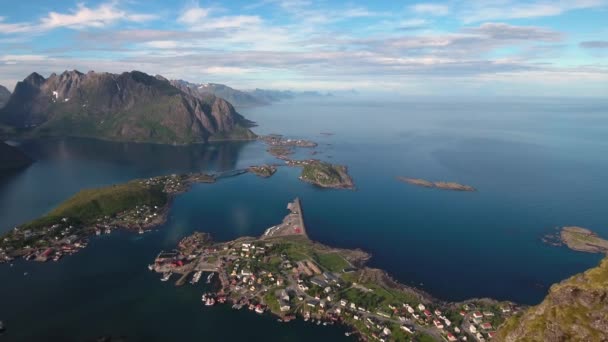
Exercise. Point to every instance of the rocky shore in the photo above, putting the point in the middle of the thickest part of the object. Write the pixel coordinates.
(438, 185)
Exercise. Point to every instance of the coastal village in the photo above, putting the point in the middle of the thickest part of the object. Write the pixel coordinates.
(139, 205)
(60, 233)
(285, 274)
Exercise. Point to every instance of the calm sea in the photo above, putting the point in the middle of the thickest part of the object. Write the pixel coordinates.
(537, 163)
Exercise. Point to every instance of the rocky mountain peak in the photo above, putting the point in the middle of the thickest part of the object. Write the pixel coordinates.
(131, 106)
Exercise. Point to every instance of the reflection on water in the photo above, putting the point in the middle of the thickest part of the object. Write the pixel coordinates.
(219, 156)
(64, 166)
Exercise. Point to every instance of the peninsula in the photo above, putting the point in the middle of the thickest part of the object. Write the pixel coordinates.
(439, 185)
(286, 274)
(138, 205)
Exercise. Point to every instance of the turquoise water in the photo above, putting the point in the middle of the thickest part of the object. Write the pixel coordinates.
(537, 164)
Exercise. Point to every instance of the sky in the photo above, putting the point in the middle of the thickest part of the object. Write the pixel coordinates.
(453, 48)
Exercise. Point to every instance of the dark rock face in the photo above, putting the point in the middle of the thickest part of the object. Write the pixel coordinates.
(131, 106)
(4, 95)
(12, 158)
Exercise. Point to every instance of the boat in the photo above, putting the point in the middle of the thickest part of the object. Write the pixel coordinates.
(196, 277)
(151, 267)
(259, 309)
(57, 257)
(210, 302)
(209, 277)
(204, 297)
(347, 333)
(141, 231)
(166, 276)
(318, 322)
(2, 327)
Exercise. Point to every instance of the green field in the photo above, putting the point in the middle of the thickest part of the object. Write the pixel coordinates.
(88, 205)
(331, 261)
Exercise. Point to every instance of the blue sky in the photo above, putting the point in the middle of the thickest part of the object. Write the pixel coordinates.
(454, 47)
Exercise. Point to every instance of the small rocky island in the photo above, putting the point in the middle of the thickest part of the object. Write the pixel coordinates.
(282, 147)
(285, 274)
(326, 175)
(279, 140)
(578, 239)
(263, 171)
(439, 185)
(314, 171)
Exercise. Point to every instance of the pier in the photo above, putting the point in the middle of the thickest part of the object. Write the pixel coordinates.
(293, 224)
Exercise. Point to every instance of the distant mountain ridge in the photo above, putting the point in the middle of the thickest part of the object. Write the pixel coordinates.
(131, 106)
(243, 98)
(5, 94)
(236, 97)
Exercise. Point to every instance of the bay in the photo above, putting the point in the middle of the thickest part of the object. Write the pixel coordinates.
(537, 163)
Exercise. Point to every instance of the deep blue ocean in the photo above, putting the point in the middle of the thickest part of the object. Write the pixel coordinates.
(537, 164)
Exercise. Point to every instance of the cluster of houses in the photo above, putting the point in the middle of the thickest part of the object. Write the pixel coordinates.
(277, 140)
(477, 321)
(47, 243)
(171, 184)
(257, 274)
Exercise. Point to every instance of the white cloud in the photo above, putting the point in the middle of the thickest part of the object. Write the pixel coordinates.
(431, 9)
(103, 15)
(13, 27)
(193, 15)
(82, 17)
(22, 58)
(477, 11)
(301, 43)
(162, 44)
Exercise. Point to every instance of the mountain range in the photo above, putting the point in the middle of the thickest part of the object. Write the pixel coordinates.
(243, 98)
(131, 106)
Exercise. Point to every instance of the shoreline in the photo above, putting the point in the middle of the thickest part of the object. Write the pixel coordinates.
(286, 274)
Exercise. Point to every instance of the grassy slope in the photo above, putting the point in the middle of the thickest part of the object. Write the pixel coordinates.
(88, 205)
(323, 173)
(573, 310)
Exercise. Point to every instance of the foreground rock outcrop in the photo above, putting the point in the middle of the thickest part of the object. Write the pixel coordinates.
(575, 309)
